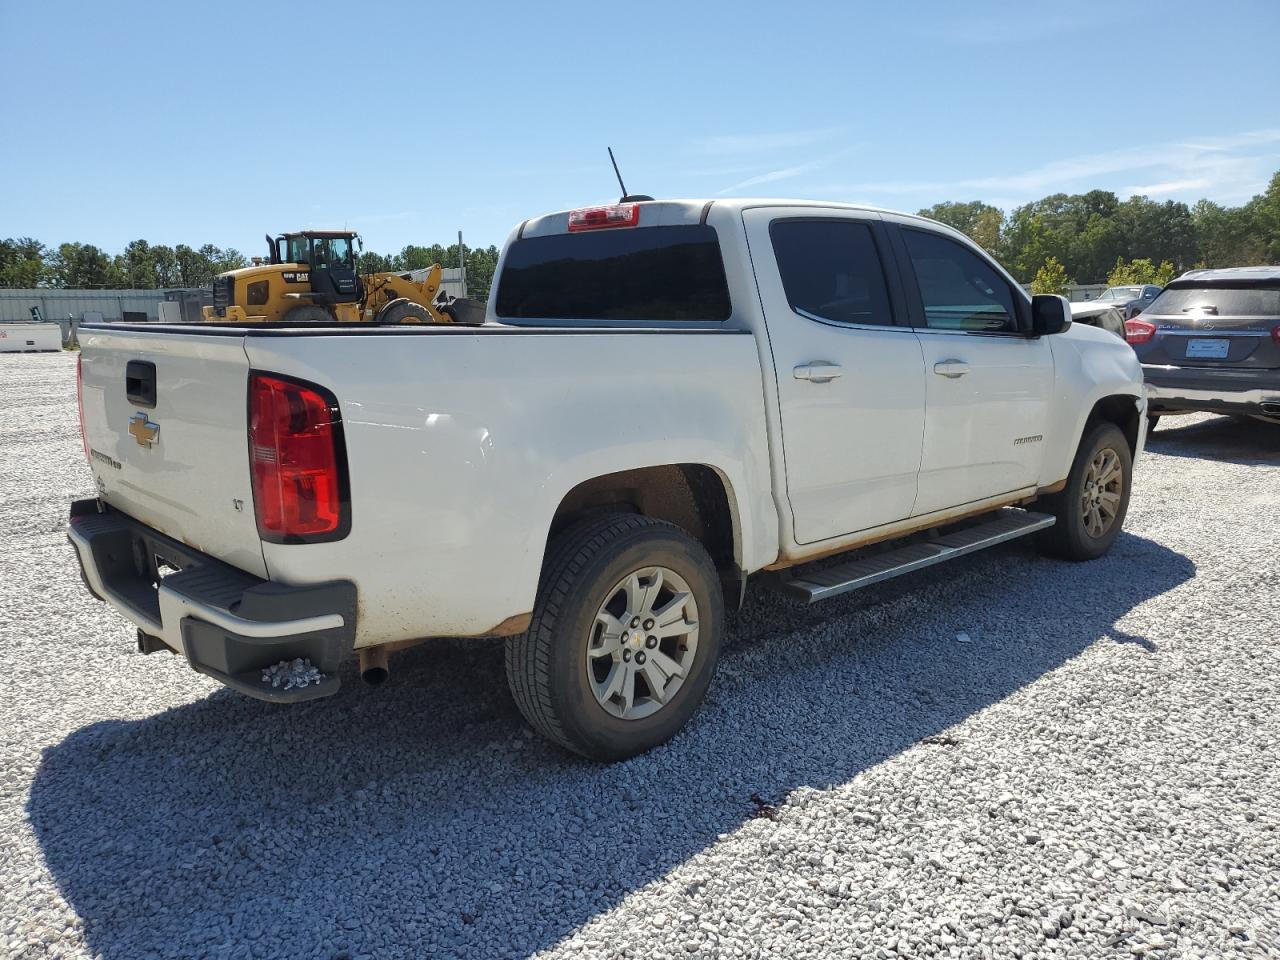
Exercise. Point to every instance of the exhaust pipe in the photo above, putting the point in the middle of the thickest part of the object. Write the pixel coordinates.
(1271, 408)
(373, 666)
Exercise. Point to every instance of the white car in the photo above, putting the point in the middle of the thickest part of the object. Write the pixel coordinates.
(1100, 315)
(665, 398)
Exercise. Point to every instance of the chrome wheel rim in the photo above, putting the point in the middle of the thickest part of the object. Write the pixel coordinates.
(642, 643)
(1101, 493)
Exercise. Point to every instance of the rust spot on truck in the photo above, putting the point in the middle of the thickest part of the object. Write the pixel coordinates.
(939, 519)
(510, 627)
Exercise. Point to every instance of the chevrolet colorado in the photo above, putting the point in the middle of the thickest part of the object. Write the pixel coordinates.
(665, 398)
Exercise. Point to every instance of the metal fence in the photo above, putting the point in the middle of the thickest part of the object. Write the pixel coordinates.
(61, 305)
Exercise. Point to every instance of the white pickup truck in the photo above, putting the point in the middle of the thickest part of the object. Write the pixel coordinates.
(664, 399)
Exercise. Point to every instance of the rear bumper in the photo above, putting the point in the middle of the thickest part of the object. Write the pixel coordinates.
(1213, 391)
(228, 624)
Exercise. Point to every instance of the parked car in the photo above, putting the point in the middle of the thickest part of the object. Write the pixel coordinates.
(1100, 315)
(1211, 342)
(665, 398)
(1129, 300)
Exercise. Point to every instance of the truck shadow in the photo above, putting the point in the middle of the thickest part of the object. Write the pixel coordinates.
(423, 819)
(1229, 439)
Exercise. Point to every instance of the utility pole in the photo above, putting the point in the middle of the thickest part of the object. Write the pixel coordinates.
(462, 263)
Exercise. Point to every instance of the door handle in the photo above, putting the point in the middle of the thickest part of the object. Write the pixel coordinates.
(818, 372)
(951, 368)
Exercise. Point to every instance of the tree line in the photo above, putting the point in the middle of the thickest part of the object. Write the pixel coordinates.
(1096, 237)
(25, 262)
(1092, 237)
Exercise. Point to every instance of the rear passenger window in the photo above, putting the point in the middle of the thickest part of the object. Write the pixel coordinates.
(959, 290)
(831, 270)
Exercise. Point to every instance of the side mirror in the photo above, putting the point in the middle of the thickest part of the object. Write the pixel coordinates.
(1050, 314)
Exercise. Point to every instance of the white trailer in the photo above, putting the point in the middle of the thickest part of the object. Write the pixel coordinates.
(27, 337)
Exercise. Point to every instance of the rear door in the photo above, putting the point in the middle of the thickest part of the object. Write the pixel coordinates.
(988, 385)
(166, 425)
(849, 377)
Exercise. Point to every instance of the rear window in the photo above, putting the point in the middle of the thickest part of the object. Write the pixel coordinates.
(650, 273)
(1221, 301)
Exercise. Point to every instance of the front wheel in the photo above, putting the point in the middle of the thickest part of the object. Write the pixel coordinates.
(624, 638)
(1090, 510)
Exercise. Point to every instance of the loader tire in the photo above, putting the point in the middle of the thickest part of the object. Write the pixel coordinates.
(308, 313)
(404, 310)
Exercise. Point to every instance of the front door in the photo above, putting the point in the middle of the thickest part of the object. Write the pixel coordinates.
(988, 385)
(333, 274)
(851, 393)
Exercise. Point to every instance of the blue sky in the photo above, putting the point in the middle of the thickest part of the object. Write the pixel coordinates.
(192, 122)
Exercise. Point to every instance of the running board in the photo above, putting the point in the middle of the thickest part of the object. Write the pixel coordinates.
(1008, 524)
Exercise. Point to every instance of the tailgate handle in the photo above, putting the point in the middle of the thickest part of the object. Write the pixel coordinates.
(140, 382)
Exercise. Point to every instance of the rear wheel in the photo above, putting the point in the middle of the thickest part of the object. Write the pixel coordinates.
(308, 313)
(1091, 509)
(404, 310)
(624, 638)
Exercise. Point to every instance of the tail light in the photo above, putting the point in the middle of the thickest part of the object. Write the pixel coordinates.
(84, 437)
(1139, 331)
(1275, 334)
(601, 218)
(298, 458)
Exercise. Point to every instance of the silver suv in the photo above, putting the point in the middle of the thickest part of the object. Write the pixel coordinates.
(1211, 341)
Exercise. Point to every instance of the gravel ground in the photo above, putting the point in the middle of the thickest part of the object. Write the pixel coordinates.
(1093, 773)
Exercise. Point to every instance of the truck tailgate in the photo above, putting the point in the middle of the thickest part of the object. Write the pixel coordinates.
(166, 424)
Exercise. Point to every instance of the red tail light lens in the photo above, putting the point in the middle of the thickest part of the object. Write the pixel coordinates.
(298, 458)
(84, 437)
(1139, 331)
(602, 218)
(1275, 334)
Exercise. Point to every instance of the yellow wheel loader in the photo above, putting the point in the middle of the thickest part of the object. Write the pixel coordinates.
(311, 276)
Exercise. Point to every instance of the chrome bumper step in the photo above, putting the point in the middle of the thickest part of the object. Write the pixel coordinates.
(1008, 524)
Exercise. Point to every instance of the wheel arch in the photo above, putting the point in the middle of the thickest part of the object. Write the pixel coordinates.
(696, 497)
(1120, 409)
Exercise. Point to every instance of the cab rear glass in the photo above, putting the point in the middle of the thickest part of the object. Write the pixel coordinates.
(673, 273)
(1252, 300)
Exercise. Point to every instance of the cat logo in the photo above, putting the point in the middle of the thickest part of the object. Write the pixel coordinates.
(143, 430)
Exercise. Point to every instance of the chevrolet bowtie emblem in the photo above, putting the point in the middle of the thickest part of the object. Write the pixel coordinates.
(143, 430)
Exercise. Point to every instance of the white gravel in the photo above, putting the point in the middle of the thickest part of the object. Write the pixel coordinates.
(1094, 773)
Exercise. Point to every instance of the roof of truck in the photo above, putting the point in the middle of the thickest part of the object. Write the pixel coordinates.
(696, 210)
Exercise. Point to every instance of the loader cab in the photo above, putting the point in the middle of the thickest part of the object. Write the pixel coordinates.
(331, 258)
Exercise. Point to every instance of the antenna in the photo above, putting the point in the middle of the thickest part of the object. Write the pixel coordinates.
(626, 197)
(617, 174)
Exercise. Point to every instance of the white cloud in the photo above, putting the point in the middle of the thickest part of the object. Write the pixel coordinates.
(1226, 168)
(737, 144)
(785, 173)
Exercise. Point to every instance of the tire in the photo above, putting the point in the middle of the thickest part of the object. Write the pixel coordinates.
(560, 668)
(404, 310)
(308, 313)
(1074, 536)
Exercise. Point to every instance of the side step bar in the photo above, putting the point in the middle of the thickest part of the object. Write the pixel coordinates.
(1008, 524)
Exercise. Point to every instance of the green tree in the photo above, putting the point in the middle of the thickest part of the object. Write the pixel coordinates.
(1051, 278)
(1138, 271)
(979, 221)
(83, 265)
(1158, 231)
(22, 263)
